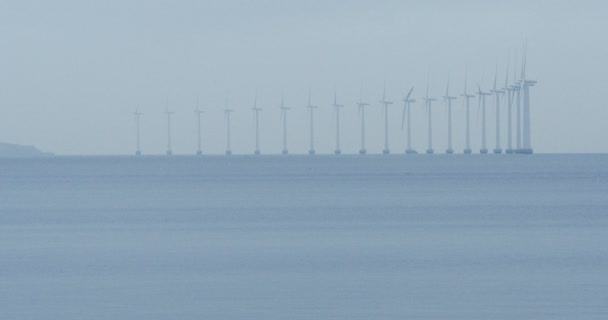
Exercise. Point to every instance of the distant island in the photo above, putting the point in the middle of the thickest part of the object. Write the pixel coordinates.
(9, 150)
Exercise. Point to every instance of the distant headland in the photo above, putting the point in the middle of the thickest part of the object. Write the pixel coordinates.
(9, 150)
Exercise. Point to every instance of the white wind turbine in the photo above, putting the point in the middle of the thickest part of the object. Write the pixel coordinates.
(284, 118)
(407, 106)
(447, 98)
(362, 106)
(337, 108)
(227, 113)
(312, 127)
(510, 89)
(482, 102)
(517, 89)
(428, 102)
(198, 113)
(385, 103)
(526, 84)
(169, 114)
(497, 93)
(467, 148)
(137, 115)
(256, 111)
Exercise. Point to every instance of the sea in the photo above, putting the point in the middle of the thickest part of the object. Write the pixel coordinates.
(305, 237)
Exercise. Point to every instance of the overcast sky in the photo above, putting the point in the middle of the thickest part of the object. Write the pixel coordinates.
(73, 72)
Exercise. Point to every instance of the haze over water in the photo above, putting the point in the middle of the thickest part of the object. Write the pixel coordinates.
(299, 237)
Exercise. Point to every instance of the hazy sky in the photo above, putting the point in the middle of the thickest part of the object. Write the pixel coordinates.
(73, 72)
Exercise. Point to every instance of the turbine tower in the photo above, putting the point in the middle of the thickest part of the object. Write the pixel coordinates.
(227, 113)
(337, 108)
(510, 89)
(482, 102)
(526, 84)
(517, 87)
(137, 116)
(447, 98)
(497, 93)
(467, 148)
(385, 103)
(312, 127)
(362, 106)
(256, 111)
(284, 118)
(198, 113)
(428, 102)
(407, 106)
(169, 114)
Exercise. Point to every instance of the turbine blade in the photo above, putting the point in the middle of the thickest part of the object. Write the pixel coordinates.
(523, 65)
(409, 94)
(384, 91)
(466, 73)
(309, 94)
(507, 76)
(335, 97)
(495, 76)
(428, 80)
(515, 69)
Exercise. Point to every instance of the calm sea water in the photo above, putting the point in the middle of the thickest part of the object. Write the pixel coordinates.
(299, 237)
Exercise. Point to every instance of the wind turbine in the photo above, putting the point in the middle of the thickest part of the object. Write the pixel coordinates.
(517, 89)
(385, 103)
(497, 93)
(169, 114)
(256, 111)
(526, 84)
(467, 148)
(227, 113)
(284, 118)
(510, 89)
(447, 98)
(312, 136)
(198, 113)
(482, 102)
(428, 102)
(337, 108)
(137, 115)
(407, 102)
(361, 106)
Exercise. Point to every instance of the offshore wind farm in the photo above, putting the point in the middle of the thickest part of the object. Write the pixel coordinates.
(508, 95)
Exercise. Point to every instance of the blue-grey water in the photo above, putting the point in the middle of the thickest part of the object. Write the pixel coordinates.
(299, 237)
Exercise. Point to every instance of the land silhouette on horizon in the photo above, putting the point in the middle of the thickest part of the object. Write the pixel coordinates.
(11, 150)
